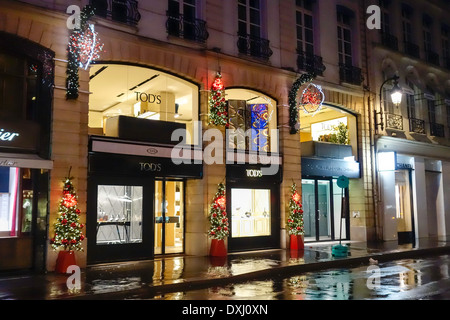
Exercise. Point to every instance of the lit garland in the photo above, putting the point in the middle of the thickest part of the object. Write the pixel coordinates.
(218, 215)
(84, 47)
(68, 232)
(293, 109)
(295, 219)
(218, 114)
(312, 98)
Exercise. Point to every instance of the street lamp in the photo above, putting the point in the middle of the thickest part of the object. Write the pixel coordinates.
(396, 96)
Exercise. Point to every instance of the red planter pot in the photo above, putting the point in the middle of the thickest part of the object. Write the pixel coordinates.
(218, 248)
(297, 242)
(64, 260)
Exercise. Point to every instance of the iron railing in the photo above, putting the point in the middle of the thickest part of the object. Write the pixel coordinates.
(187, 28)
(124, 11)
(437, 130)
(254, 46)
(394, 121)
(411, 49)
(350, 74)
(417, 126)
(389, 41)
(310, 62)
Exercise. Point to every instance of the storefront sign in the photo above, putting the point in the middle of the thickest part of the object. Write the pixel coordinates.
(254, 173)
(330, 168)
(7, 136)
(19, 135)
(400, 166)
(138, 166)
(148, 97)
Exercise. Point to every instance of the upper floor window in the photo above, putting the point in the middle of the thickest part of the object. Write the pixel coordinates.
(304, 23)
(407, 23)
(183, 22)
(250, 31)
(408, 38)
(411, 100)
(427, 33)
(344, 32)
(124, 11)
(385, 16)
(345, 23)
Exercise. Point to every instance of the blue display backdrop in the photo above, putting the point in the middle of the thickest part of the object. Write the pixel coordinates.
(260, 125)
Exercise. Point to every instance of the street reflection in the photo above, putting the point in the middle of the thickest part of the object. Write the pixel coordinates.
(403, 279)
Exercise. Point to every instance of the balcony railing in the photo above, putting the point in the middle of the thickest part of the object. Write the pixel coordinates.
(411, 49)
(310, 62)
(437, 130)
(190, 29)
(389, 41)
(254, 46)
(394, 121)
(350, 74)
(432, 57)
(417, 126)
(124, 11)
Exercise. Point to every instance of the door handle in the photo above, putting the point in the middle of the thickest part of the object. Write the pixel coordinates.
(318, 214)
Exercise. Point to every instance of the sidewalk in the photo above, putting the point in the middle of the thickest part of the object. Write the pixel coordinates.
(130, 280)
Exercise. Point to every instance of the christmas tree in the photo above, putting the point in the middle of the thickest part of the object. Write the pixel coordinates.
(218, 114)
(218, 215)
(295, 220)
(68, 232)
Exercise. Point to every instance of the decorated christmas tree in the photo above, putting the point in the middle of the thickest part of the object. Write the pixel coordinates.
(68, 232)
(295, 219)
(218, 215)
(218, 114)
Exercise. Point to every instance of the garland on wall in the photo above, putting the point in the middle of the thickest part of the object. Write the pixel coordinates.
(293, 108)
(84, 47)
(218, 215)
(295, 219)
(218, 114)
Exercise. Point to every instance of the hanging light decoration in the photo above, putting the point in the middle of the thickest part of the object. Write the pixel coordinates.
(312, 98)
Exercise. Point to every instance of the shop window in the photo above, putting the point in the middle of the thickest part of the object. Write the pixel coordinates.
(250, 211)
(252, 118)
(16, 201)
(329, 126)
(119, 214)
(142, 93)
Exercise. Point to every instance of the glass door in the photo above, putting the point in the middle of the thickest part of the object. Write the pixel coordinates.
(169, 217)
(324, 209)
(309, 209)
(319, 216)
(404, 208)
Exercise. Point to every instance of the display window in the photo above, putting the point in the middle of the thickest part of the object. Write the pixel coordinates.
(119, 214)
(16, 201)
(252, 118)
(329, 125)
(143, 93)
(250, 212)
